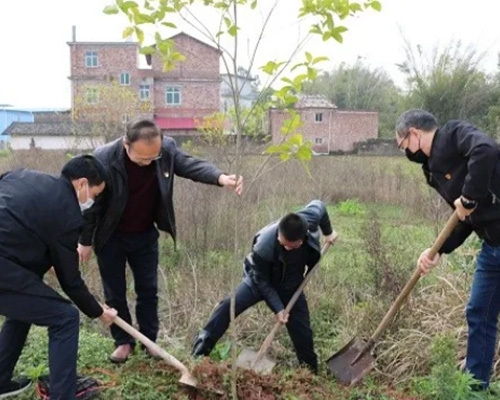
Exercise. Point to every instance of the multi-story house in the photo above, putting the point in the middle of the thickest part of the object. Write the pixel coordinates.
(328, 128)
(247, 93)
(175, 99)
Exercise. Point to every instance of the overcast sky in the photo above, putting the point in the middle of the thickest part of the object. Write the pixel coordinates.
(34, 66)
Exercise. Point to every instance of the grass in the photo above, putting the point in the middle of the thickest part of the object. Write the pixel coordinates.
(347, 298)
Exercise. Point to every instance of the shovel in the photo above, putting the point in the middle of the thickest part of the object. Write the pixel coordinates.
(257, 361)
(186, 377)
(354, 360)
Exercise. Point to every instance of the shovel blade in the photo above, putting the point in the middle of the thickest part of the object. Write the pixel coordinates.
(341, 363)
(248, 360)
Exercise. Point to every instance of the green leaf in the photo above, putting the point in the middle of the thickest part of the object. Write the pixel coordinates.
(169, 25)
(128, 31)
(147, 50)
(253, 5)
(304, 153)
(309, 57)
(228, 22)
(110, 9)
(271, 67)
(320, 59)
(376, 5)
(139, 33)
(233, 30)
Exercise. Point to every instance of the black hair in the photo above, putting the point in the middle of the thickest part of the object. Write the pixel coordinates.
(85, 166)
(419, 119)
(142, 129)
(293, 227)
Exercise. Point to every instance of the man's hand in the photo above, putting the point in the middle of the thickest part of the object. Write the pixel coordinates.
(108, 315)
(462, 212)
(230, 181)
(282, 317)
(84, 252)
(331, 238)
(425, 263)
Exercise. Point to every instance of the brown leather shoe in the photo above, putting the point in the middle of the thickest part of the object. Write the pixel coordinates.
(121, 353)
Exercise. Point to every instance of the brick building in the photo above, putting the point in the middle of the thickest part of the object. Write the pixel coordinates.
(329, 128)
(175, 99)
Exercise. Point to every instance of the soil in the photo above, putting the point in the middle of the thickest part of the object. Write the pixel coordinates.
(215, 377)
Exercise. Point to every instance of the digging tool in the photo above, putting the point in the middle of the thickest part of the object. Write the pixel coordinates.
(186, 377)
(257, 361)
(354, 360)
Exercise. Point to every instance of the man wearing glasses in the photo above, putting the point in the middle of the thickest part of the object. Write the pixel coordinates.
(462, 164)
(282, 254)
(121, 226)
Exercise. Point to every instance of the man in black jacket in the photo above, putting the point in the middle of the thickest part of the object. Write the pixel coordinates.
(40, 221)
(121, 227)
(282, 253)
(462, 164)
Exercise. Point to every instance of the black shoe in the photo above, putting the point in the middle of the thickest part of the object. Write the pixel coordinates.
(203, 345)
(86, 387)
(14, 387)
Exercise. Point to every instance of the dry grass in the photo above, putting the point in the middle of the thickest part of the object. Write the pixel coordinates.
(205, 270)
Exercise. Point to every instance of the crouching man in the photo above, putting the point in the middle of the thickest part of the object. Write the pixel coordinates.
(282, 254)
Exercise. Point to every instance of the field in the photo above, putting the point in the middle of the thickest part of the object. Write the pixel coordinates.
(385, 216)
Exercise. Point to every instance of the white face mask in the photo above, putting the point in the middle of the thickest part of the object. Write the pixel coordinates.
(89, 203)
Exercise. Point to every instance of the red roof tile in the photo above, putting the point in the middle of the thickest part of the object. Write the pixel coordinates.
(175, 123)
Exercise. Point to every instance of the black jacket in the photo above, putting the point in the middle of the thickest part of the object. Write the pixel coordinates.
(103, 218)
(40, 221)
(465, 161)
(263, 267)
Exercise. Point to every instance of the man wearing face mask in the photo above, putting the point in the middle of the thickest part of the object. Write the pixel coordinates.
(40, 222)
(462, 164)
(123, 226)
(282, 254)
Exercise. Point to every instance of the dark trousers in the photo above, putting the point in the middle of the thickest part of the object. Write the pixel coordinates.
(62, 320)
(141, 253)
(298, 326)
(482, 314)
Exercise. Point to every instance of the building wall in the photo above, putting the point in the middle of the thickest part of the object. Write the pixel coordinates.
(248, 95)
(55, 142)
(8, 116)
(197, 76)
(337, 131)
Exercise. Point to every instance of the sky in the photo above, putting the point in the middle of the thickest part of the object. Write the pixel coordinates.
(34, 66)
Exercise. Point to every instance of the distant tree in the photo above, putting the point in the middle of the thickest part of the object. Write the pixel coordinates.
(359, 87)
(450, 83)
(103, 110)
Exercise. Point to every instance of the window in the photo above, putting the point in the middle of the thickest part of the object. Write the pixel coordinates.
(125, 118)
(144, 92)
(173, 95)
(124, 78)
(92, 96)
(318, 140)
(318, 117)
(91, 59)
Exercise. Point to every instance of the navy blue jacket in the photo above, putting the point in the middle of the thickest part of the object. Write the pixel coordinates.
(465, 161)
(264, 268)
(40, 222)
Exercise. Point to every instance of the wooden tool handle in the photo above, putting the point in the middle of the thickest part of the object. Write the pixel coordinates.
(150, 345)
(269, 339)
(438, 243)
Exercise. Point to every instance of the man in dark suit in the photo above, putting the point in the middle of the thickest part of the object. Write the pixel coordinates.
(282, 254)
(463, 165)
(40, 222)
(123, 227)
